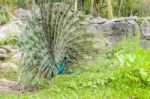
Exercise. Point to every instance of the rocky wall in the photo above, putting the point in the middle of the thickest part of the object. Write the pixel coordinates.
(116, 28)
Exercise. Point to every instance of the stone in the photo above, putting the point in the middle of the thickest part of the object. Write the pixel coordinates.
(2, 36)
(3, 51)
(118, 19)
(16, 57)
(145, 43)
(2, 57)
(131, 18)
(114, 29)
(100, 28)
(97, 20)
(22, 14)
(145, 27)
(7, 48)
(92, 28)
(9, 29)
(107, 27)
(133, 22)
(1, 67)
(122, 28)
(112, 40)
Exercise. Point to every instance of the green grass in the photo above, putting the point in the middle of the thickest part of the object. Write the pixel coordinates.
(90, 84)
(8, 74)
(9, 40)
(5, 16)
(119, 73)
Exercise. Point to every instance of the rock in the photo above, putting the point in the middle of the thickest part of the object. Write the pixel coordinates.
(100, 28)
(145, 43)
(92, 28)
(107, 27)
(118, 19)
(131, 18)
(7, 65)
(7, 48)
(145, 27)
(3, 36)
(123, 28)
(1, 67)
(22, 14)
(9, 29)
(16, 57)
(112, 40)
(119, 28)
(97, 20)
(2, 57)
(133, 22)
(3, 51)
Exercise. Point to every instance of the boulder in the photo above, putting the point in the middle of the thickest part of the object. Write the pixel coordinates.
(7, 48)
(9, 29)
(100, 28)
(112, 40)
(2, 57)
(145, 27)
(22, 14)
(97, 20)
(3, 51)
(131, 18)
(120, 28)
(16, 57)
(145, 43)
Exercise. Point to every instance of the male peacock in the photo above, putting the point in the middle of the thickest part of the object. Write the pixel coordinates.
(52, 39)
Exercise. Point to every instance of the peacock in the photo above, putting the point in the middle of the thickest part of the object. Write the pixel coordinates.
(53, 40)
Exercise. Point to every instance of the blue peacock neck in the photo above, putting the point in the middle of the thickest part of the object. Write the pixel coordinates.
(60, 68)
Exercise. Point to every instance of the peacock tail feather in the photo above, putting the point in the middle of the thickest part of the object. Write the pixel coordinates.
(52, 39)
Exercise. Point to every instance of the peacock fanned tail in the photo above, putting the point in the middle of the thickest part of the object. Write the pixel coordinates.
(52, 39)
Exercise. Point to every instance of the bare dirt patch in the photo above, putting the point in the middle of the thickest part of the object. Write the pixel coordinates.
(8, 86)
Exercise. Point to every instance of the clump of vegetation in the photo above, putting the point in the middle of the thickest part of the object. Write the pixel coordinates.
(133, 65)
(10, 39)
(8, 74)
(4, 15)
(8, 3)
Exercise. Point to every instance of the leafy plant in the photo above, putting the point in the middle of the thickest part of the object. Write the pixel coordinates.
(133, 64)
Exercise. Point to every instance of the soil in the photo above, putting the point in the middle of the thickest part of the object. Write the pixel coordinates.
(9, 87)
